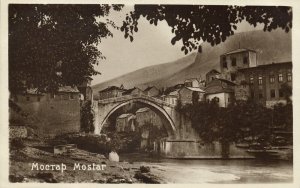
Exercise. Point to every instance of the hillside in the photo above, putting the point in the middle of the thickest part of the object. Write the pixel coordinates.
(272, 46)
(147, 74)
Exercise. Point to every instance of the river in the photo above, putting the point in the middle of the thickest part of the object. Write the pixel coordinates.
(217, 171)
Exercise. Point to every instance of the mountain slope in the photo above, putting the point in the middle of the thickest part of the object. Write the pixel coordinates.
(272, 46)
(148, 74)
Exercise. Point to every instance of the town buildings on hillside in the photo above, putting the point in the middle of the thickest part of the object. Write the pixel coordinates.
(240, 77)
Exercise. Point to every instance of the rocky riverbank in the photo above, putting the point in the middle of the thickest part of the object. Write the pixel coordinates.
(32, 161)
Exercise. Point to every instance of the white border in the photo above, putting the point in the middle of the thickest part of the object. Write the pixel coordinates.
(4, 154)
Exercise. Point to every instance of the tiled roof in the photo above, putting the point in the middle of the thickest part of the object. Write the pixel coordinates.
(62, 89)
(174, 93)
(129, 91)
(125, 115)
(226, 81)
(238, 51)
(68, 89)
(266, 65)
(190, 79)
(213, 71)
(142, 110)
(110, 88)
(216, 86)
(148, 88)
(33, 91)
(195, 89)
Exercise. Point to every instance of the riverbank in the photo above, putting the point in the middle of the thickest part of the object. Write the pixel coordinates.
(137, 168)
(31, 162)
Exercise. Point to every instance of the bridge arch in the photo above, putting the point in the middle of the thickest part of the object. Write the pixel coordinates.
(170, 126)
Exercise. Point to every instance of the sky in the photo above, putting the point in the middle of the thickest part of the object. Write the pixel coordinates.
(151, 46)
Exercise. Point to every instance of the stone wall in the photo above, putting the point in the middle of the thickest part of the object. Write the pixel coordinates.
(196, 149)
(52, 117)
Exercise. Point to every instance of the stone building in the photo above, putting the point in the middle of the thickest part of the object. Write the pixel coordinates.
(150, 125)
(133, 91)
(147, 116)
(192, 82)
(151, 91)
(54, 113)
(111, 92)
(186, 94)
(220, 90)
(172, 97)
(234, 60)
(125, 123)
(211, 75)
(265, 82)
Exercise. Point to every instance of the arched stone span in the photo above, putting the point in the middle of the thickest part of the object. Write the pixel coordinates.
(170, 126)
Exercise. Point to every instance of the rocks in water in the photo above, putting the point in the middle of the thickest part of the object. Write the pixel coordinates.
(99, 181)
(113, 156)
(146, 178)
(47, 177)
(144, 169)
(119, 180)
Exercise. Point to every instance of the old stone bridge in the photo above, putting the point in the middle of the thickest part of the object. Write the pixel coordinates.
(106, 107)
(182, 141)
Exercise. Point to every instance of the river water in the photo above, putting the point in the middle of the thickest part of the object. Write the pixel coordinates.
(217, 171)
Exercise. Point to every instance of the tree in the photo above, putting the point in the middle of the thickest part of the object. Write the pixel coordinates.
(87, 117)
(208, 23)
(55, 45)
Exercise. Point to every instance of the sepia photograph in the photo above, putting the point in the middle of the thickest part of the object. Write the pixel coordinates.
(150, 94)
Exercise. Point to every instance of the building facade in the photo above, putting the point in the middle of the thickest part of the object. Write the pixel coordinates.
(211, 75)
(133, 91)
(111, 92)
(221, 91)
(151, 91)
(266, 82)
(51, 113)
(125, 123)
(232, 61)
(186, 94)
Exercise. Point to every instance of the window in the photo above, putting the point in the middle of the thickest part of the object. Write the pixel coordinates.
(224, 58)
(289, 76)
(280, 93)
(71, 96)
(260, 96)
(251, 80)
(38, 98)
(233, 62)
(252, 94)
(188, 84)
(27, 98)
(260, 80)
(280, 77)
(233, 76)
(272, 93)
(272, 78)
(225, 64)
(245, 60)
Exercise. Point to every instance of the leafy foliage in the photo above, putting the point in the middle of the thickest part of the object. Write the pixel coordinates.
(213, 24)
(87, 117)
(54, 45)
(244, 118)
